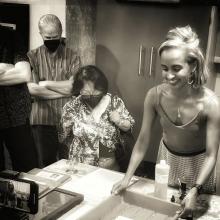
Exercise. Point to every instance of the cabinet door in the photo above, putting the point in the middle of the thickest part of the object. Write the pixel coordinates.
(120, 30)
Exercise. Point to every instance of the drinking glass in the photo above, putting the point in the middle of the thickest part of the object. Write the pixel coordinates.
(72, 163)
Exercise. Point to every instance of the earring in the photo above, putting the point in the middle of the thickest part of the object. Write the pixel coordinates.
(190, 82)
(191, 78)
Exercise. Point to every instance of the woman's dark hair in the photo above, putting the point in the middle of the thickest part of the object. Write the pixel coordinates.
(90, 73)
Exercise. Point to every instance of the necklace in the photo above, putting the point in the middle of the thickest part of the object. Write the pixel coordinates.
(178, 113)
(178, 119)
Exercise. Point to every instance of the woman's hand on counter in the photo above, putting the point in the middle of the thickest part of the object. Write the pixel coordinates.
(188, 204)
(120, 186)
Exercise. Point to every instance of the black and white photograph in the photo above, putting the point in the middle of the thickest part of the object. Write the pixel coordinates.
(109, 109)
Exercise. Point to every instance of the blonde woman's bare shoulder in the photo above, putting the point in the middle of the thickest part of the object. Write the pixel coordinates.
(210, 96)
(211, 102)
(153, 94)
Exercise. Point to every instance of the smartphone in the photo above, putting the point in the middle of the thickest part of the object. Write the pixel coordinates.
(18, 194)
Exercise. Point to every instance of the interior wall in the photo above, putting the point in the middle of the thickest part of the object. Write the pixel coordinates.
(81, 29)
(217, 53)
(39, 8)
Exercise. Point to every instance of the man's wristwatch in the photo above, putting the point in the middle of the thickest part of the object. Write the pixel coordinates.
(198, 187)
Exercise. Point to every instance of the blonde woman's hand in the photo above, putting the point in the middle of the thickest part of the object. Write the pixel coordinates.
(120, 186)
(188, 204)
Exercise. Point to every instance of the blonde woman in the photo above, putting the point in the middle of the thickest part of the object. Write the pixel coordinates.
(189, 115)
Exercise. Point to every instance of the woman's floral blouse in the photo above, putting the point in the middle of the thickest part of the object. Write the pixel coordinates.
(82, 133)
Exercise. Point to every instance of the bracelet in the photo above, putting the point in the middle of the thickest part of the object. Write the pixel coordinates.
(198, 187)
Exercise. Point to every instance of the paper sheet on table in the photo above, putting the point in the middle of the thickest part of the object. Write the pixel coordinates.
(97, 185)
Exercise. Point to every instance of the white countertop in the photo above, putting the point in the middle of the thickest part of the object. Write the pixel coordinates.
(96, 184)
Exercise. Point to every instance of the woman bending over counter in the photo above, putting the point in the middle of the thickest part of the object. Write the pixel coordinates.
(189, 115)
(92, 121)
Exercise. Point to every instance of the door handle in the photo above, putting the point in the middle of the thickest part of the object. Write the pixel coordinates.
(141, 56)
(151, 61)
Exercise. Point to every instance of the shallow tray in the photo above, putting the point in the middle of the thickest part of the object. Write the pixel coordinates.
(133, 206)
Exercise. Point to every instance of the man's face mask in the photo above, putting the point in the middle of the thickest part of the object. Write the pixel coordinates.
(52, 45)
(92, 100)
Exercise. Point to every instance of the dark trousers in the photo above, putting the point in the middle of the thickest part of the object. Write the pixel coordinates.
(46, 140)
(21, 147)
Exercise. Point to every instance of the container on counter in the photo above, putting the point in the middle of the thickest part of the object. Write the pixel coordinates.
(161, 179)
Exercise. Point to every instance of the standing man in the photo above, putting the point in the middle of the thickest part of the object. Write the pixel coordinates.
(53, 68)
(15, 103)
